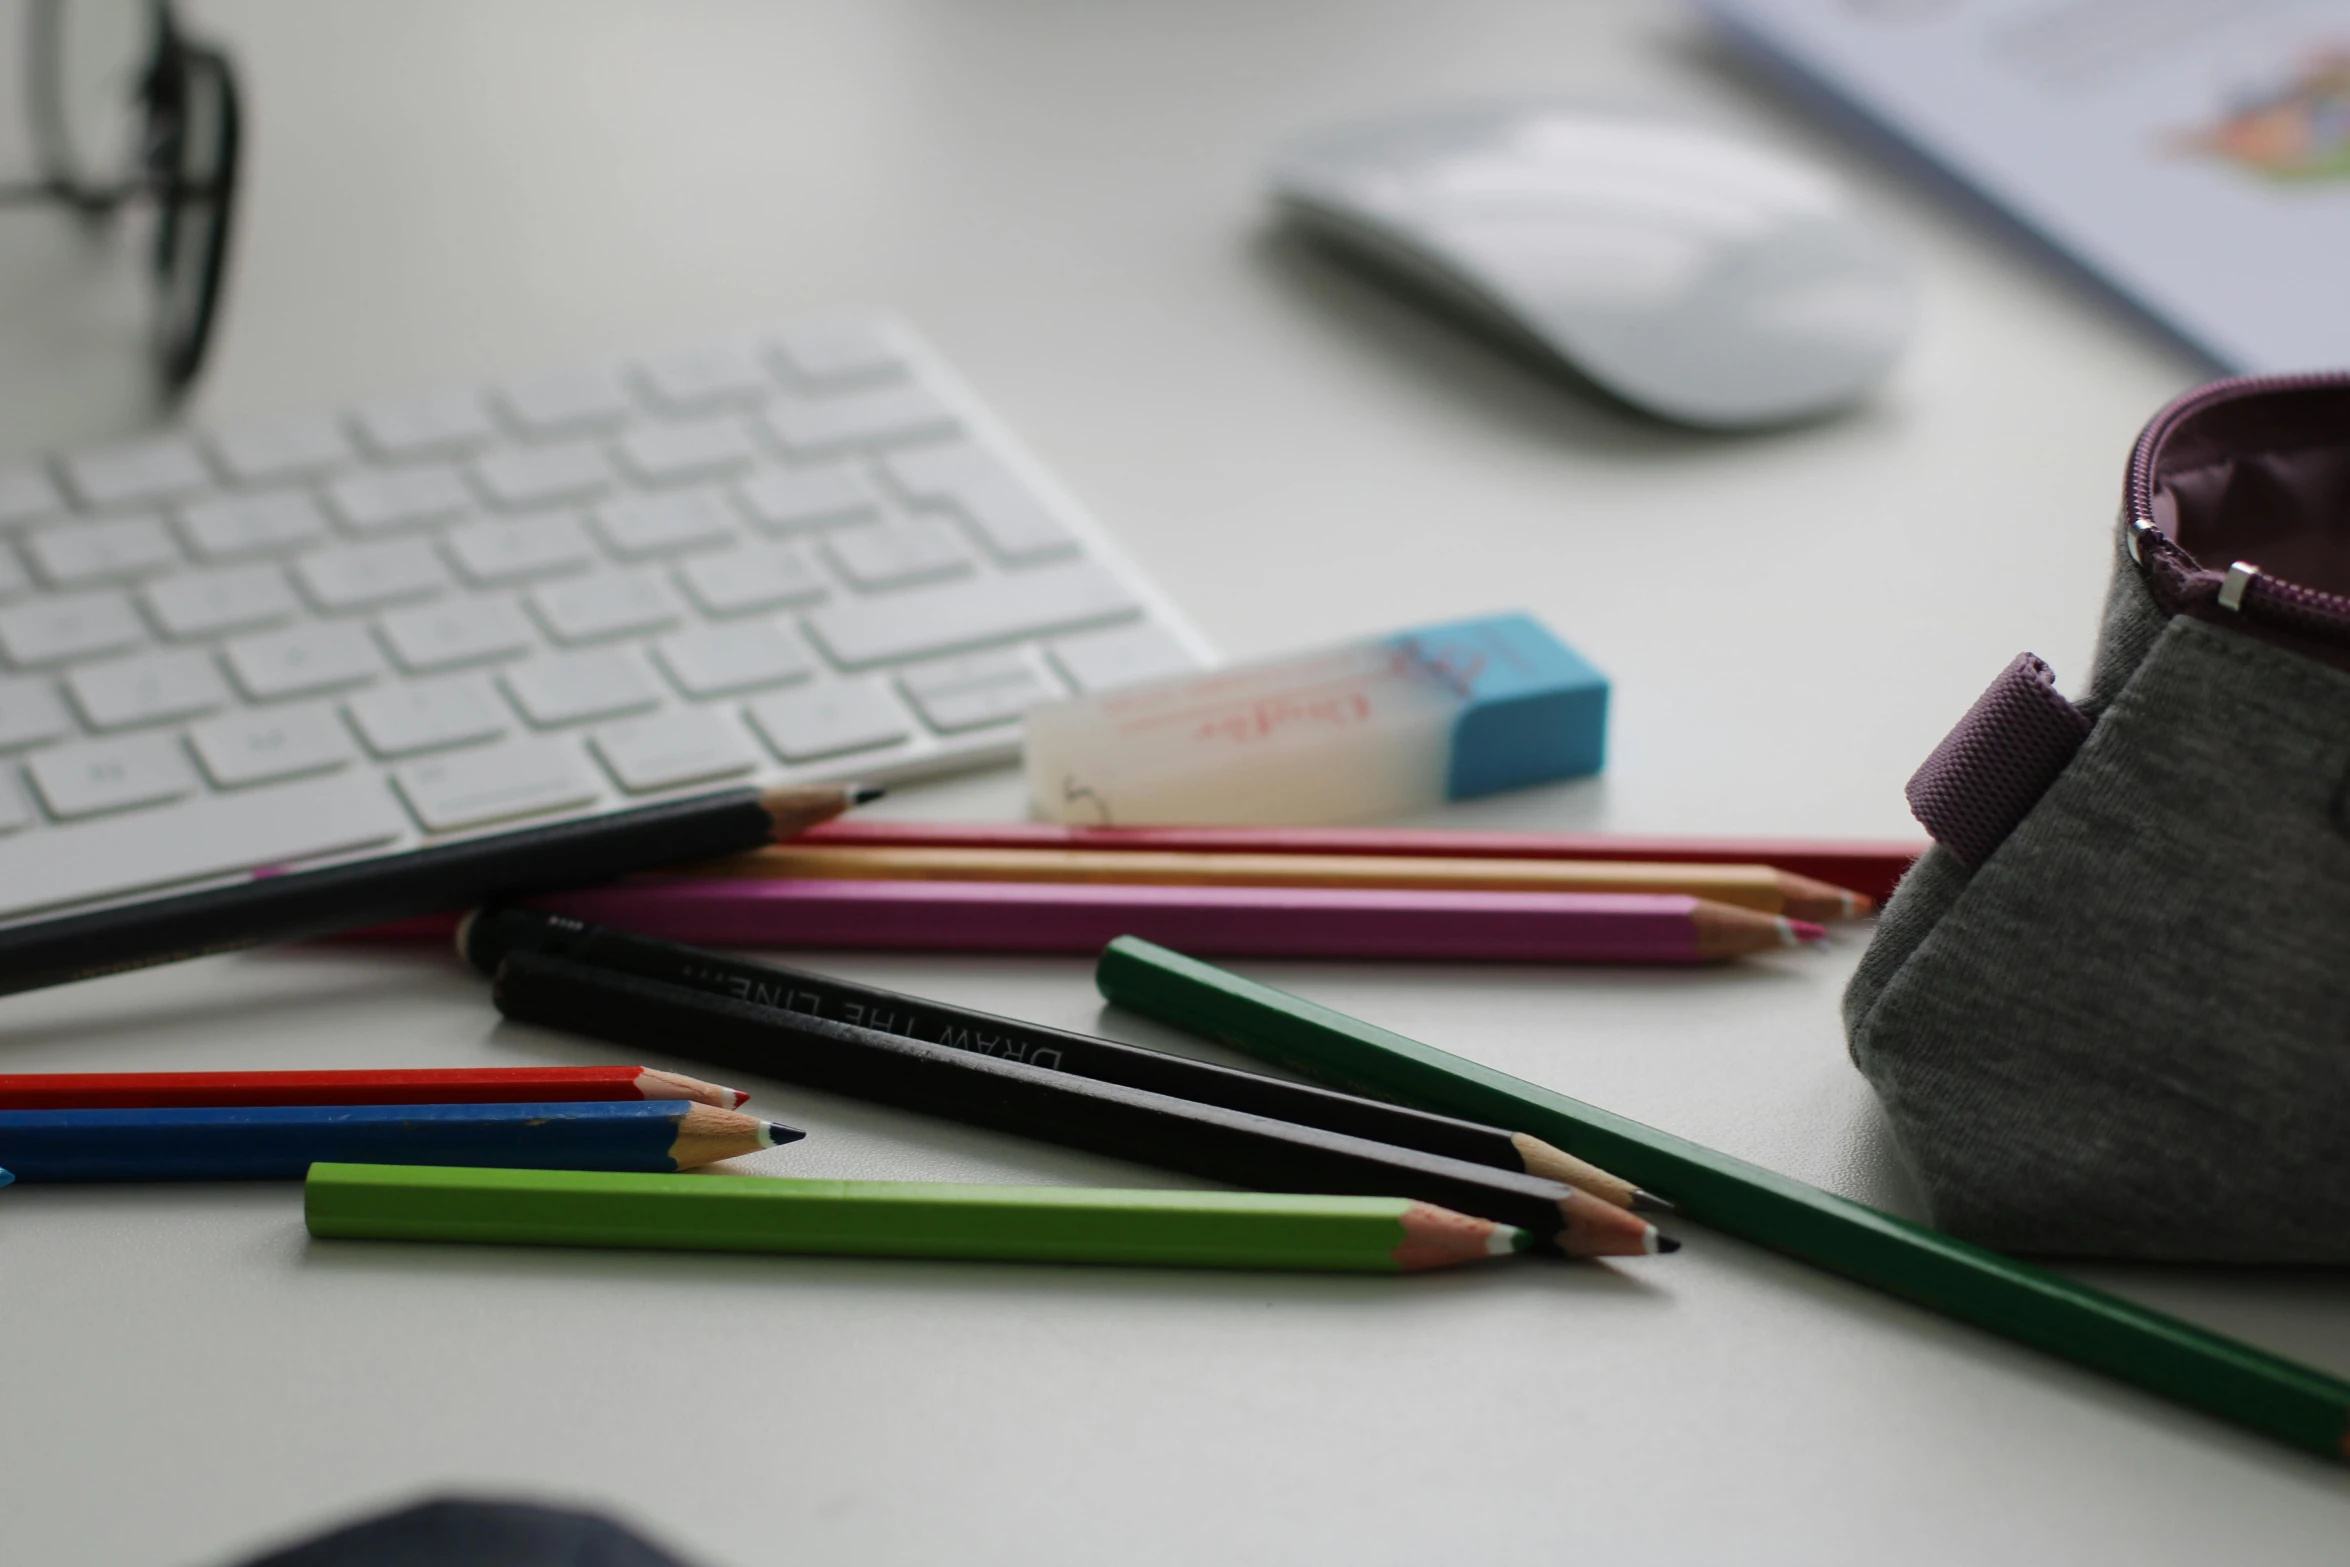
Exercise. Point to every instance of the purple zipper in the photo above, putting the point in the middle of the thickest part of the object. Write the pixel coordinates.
(2178, 582)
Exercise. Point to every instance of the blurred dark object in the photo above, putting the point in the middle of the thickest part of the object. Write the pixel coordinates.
(452, 1533)
(126, 107)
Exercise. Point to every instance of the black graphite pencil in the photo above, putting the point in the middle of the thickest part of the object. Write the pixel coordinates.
(488, 935)
(301, 903)
(1245, 1150)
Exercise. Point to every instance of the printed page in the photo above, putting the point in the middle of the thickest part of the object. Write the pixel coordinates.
(2194, 153)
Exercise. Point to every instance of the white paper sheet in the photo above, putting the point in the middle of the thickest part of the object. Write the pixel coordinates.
(2195, 154)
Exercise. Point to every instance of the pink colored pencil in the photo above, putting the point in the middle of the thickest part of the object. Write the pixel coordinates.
(1864, 866)
(1298, 922)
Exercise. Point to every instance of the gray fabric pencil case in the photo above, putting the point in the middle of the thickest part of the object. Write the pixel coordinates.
(2108, 1012)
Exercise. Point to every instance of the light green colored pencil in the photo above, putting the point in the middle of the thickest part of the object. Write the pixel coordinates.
(2270, 1394)
(409, 1202)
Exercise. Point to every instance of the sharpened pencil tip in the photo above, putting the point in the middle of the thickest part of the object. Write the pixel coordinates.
(1661, 1243)
(778, 1134)
(1650, 1202)
(865, 794)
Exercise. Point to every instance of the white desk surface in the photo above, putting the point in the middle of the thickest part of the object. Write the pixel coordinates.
(1063, 195)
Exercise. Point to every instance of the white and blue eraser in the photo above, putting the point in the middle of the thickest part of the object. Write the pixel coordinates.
(1532, 708)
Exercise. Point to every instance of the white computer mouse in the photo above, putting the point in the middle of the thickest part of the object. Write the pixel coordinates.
(1703, 278)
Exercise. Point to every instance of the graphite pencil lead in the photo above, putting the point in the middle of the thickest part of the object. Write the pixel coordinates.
(1650, 1202)
(1556, 1164)
(1665, 1243)
(794, 808)
(865, 794)
(1592, 1228)
(778, 1134)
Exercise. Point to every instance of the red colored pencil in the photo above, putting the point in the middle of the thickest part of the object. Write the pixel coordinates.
(427, 1086)
(1302, 922)
(1864, 866)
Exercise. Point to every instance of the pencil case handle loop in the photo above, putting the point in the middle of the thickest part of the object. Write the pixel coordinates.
(1993, 767)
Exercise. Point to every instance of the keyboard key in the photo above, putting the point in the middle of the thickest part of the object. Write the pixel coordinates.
(303, 661)
(663, 752)
(664, 524)
(231, 598)
(137, 471)
(923, 621)
(542, 475)
(59, 627)
(570, 688)
(31, 712)
(976, 485)
(789, 500)
(669, 453)
(248, 525)
(714, 660)
(737, 582)
(815, 426)
(363, 576)
(434, 424)
(473, 788)
(27, 495)
(566, 401)
(15, 811)
(839, 355)
(207, 837)
(428, 715)
(826, 720)
(111, 775)
(122, 693)
(614, 604)
(976, 690)
(1104, 660)
(84, 554)
(281, 448)
(466, 631)
(692, 378)
(398, 498)
(892, 554)
(285, 742)
(521, 549)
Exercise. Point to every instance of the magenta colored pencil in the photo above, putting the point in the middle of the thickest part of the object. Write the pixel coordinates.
(1296, 922)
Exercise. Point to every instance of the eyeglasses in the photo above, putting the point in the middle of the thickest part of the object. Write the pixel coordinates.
(125, 107)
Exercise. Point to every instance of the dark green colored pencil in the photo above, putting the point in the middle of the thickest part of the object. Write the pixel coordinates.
(2268, 1393)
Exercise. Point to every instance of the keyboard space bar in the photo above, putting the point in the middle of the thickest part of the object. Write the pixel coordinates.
(216, 836)
(918, 622)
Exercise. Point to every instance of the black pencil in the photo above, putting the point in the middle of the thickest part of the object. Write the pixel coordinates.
(1251, 1151)
(487, 935)
(299, 904)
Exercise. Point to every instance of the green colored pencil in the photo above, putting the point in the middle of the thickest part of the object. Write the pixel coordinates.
(2281, 1398)
(408, 1202)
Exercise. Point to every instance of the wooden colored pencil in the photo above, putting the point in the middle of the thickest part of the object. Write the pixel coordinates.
(1250, 1151)
(279, 1142)
(488, 935)
(2268, 1393)
(1296, 922)
(898, 1219)
(297, 904)
(1762, 887)
(1869, 868)
(418, 1086)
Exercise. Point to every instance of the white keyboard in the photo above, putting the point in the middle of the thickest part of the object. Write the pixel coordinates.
(797, 555)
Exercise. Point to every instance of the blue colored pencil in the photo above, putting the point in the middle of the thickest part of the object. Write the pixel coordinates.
(281, 1142)
(5, 1177)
